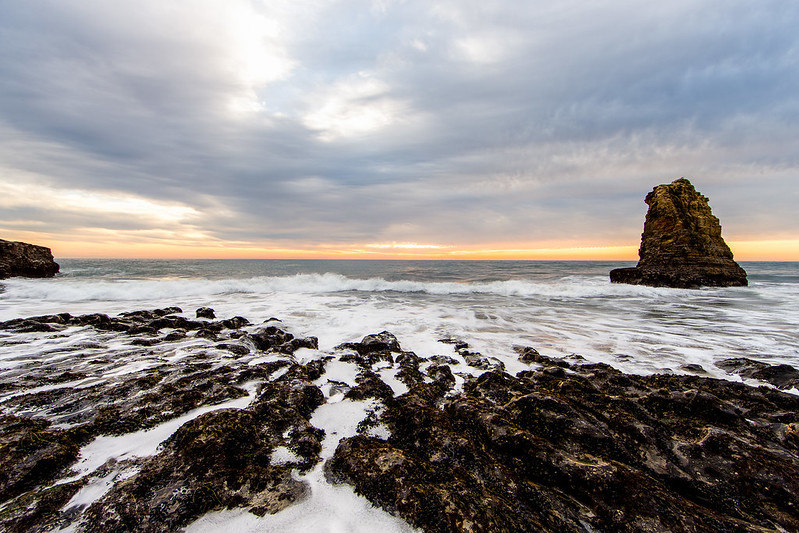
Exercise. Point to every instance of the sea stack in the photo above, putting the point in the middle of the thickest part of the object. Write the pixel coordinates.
(28, 260)
(681, 245)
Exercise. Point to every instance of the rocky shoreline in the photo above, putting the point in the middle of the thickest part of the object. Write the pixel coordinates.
(446, 441)
(27, 260)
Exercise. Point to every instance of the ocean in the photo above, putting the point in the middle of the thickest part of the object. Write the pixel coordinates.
(557, 307)
(560, 308)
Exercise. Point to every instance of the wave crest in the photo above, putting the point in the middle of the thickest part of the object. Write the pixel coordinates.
(76, 290)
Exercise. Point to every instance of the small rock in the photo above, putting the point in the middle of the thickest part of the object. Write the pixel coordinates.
(237, 349)
(236, 322)
(694, 367)
(205, 312)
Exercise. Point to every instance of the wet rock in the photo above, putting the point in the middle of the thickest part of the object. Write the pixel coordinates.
(98, 320)
(562, 446)
(147, 342)
(379, 342)
(311, 343)
(442, 375)
(38, 510)
(141, 401)
(270, 337)
(150, 314)
(443, 360)
(369, 385)
(476, 360)
(588, 450)
(32, 326)
(531, 355)
(205, 312)
(28, 260)
(457, 343)
(681, 245)
(409, 372)
(179, 322)
(373, 344)
(236, 349)
(781, 376)
(219, 460)
(176, 335)
(236, 322)
(141, 329)
(45, 324)
(206, 333)
(693, 367)
(741, 365)
(60, 318)
(33, 453)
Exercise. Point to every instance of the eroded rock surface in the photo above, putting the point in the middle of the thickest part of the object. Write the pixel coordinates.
(28, 260)
(583, 448)
(681, 245)
(220, 459)
(781, 376)
(443, 444)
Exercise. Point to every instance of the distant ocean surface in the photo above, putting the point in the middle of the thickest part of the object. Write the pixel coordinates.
(558, 307)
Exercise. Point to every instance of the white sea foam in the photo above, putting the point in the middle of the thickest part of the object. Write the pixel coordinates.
(328, 508)
(638, 329)
(82, 290)
(144, 443)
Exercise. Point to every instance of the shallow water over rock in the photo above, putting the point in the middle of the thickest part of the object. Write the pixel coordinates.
(101, 432)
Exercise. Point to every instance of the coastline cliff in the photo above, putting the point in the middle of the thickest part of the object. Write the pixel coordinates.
(27, 260)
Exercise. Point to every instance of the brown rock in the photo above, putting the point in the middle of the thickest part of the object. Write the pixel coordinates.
(681, 245)
(28, 260)
(591, 449)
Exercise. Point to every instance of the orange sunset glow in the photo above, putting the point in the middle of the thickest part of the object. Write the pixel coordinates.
(765, 250)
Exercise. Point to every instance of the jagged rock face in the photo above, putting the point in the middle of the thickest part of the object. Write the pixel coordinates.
(682, 244)
(588, 449)
(28, 260)
(562, 446)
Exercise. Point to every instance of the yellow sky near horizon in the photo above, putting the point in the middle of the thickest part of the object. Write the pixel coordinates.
(749, 250)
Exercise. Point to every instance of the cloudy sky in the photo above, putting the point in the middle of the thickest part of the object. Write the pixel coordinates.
(386, 128)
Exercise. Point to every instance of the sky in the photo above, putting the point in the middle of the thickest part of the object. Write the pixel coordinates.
(376, 129)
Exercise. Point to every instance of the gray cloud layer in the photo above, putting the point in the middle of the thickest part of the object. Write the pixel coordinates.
(452, 123)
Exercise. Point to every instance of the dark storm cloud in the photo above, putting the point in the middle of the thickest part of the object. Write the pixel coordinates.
(353, 122)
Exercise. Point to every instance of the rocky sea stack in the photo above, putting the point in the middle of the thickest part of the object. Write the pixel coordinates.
(28, 260)
(681, 245)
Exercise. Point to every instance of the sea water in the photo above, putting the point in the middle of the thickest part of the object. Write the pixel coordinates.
(559, 308)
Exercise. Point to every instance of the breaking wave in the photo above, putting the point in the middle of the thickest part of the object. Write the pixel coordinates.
(81, 290)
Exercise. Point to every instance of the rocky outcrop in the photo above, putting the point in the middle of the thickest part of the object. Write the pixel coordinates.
(781, 376)
(560, 446)
(220, 459)
(28, 260)
(681, 245)
(582, 448)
